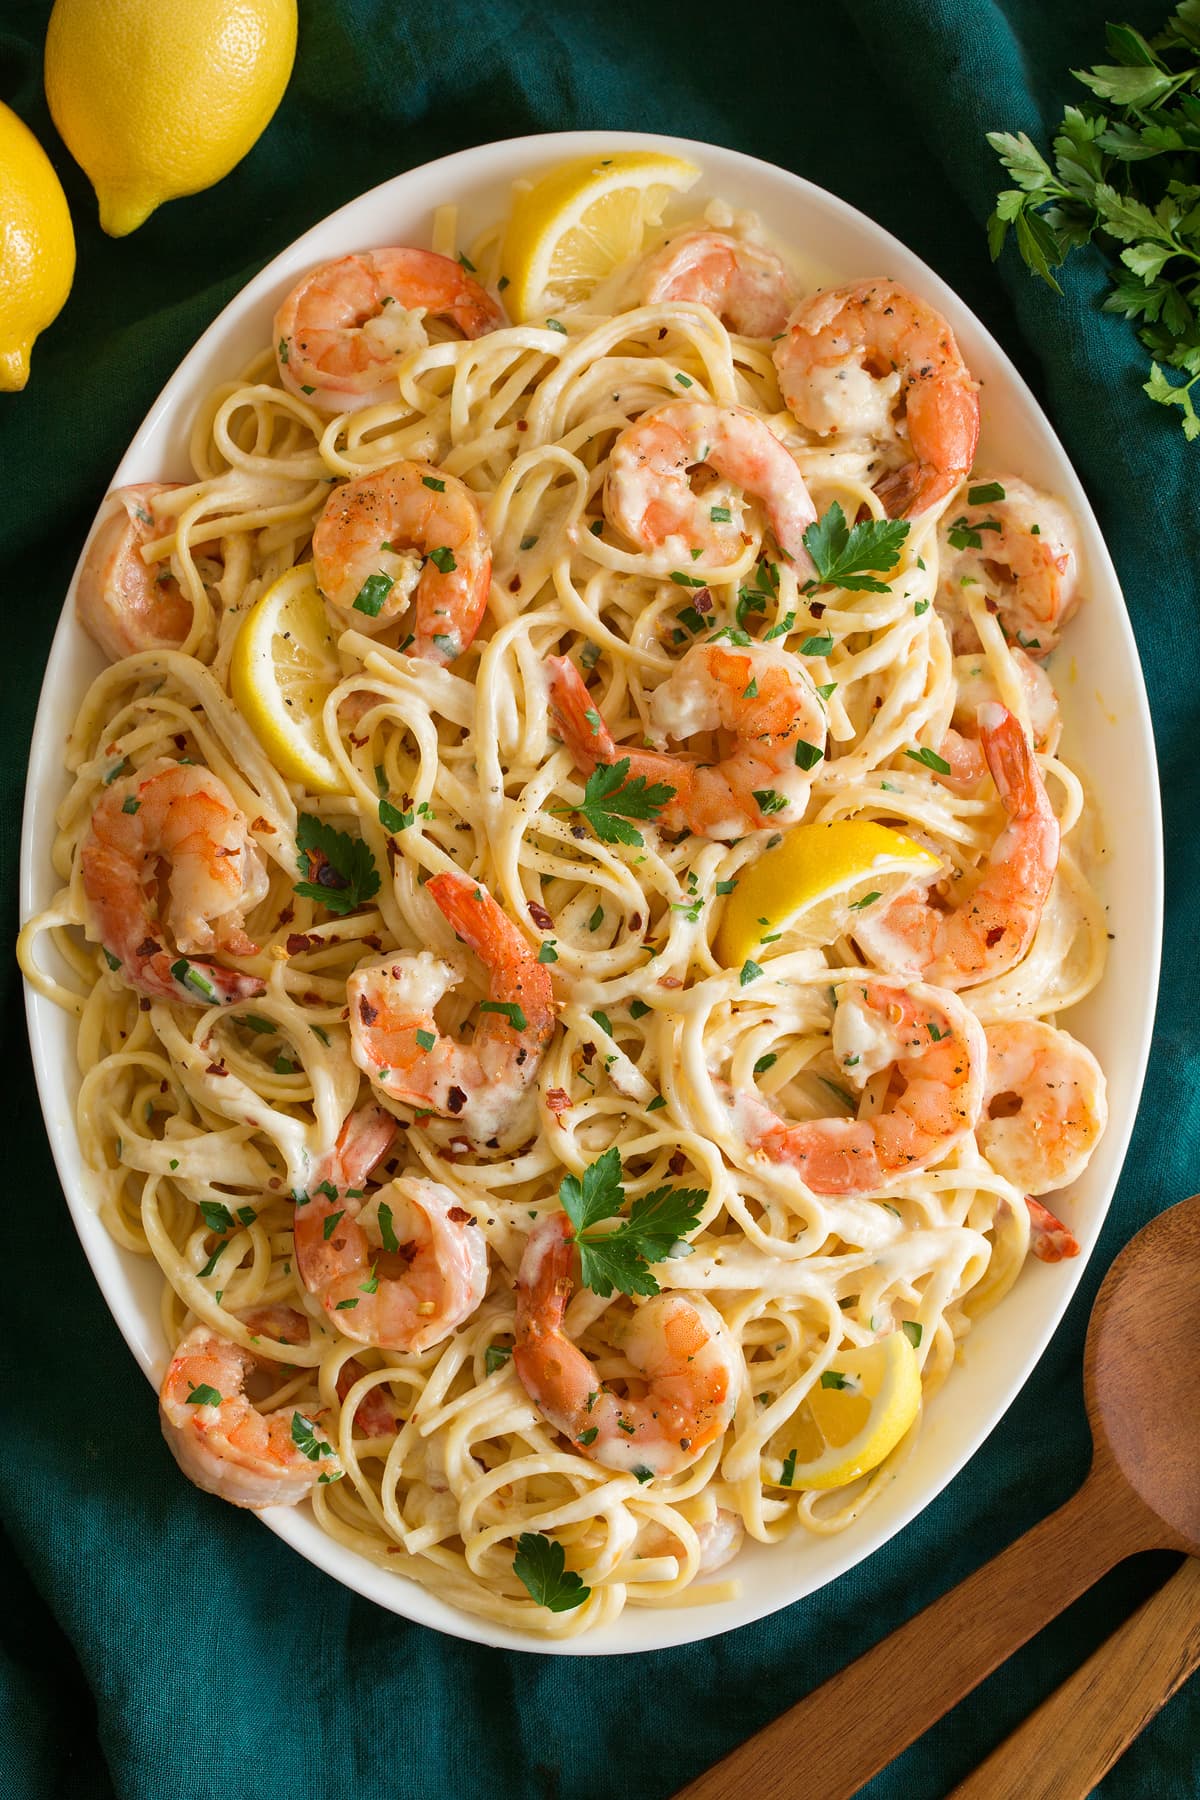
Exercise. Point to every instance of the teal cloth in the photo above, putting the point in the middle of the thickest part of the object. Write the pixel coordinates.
(154, 1643)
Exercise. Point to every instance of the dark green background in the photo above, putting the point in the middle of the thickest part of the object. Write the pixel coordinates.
(154, 1643)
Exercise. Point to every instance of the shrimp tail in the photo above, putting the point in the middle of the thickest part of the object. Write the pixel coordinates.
(583, 730)
(1050, 1240)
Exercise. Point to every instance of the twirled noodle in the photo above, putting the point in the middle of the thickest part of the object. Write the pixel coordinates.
(187, 1114)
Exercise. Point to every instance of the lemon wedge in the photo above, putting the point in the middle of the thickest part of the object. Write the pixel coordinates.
(578, 223)
(284, 665)
(810, 886)
(853, 1418)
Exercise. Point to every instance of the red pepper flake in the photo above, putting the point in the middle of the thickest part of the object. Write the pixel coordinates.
(993, 936)
(179, 741)
(670, 981)
(589, 1051)
(358, 742)
(541, 918)
(558, 1100)
(311, 999)
(817, 609)
(373, 942)
(703, 601)
(285, 917)
(366, 1012)
(300, 941)
(458, 1215)
(635, 921)
(263, 825)
(678, 1163)
(522, 424)
(514, 586)
(216, 1069)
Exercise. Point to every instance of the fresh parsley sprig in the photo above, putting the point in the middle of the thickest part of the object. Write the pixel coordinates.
(851, 556)
(338, 869)
(611, 799)
(540, 1563)
(621, 1259)
(1125, 176)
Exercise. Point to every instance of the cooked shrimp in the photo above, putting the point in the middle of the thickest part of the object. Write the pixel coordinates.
(124, 602)
(853, 355)
(407, 531)
(395, 1038)
(989, 931)
(648, 489)
(746, 285)
(287, 1326)
(936, 1046)
(344, 327)
(179, 820)
(1049, 1239)
(1023, 550)
(761, 694)
(1044, 1105)
(219, 1439)
(974, 686)
(403, 1299)
(689, 1369)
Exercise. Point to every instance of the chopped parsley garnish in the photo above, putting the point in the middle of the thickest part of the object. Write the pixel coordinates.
(509, 1009)
(656, 1104)
(339, 870)
(965, 536)
(130, 805)
(285, 1066)
(682, 580)
(304, 1436)
(331, 1222)
(610, 800)
(919, 607)
(426, 1040)
(431, 481)
(216, 1216)
(203, 1395)
(387, 1231)
(750, 971)
(685, 381)
(765, 1062)
(807, 755)
(638, 1009)
(547, 953)
(912, 1331)
(844, 555)
(621, 1259)
(603, 1021)
(867, 900)
(720, 515)
(788, 1472)
(190, 977)
(818, 646)
(985, 494)
(930, 759)
(495, 1357)
(834, 1378)
(372, 594)
(114, 962)
(769, 801)
(554, 325)
(443, 559)
(527, 543)
(252, 1022)
(726, 887)
(540, 1563)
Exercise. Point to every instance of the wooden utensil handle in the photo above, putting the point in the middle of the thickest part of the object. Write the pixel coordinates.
(829, 1744)
(1073, 1739)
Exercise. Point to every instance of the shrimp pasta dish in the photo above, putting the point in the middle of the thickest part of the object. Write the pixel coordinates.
(568, 886)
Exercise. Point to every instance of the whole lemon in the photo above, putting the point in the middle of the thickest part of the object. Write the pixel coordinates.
(37, 247)
(155, 98)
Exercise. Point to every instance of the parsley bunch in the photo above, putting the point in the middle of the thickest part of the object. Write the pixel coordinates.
(621, 1259)
(1126, 175)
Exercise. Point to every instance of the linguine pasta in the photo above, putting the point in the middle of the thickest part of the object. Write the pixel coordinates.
(199, 1122)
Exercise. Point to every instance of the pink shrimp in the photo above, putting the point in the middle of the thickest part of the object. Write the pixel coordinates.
(345, 326)
(990, 930)
(1022, 548)
(121, 600)
(395, 1038)
(406, 531)
(217, 1436)
(761, 694)
(974, 686)
(687, 1363)
(1044, 1105)
(937, 1048)
(182, 820)
(854, 354)
(745, 284)
(648, 489)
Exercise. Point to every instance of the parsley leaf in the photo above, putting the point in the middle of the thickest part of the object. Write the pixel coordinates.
(540, 1563)
(610, 800)
(339, 870)
(620, 1259)
(843, 556)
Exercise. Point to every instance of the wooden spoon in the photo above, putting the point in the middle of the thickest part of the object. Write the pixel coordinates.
(1140, 1374)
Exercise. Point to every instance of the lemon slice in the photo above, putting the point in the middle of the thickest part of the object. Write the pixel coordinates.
(284, 665)
(846, 1428)
(579, 222)
(811, 885)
